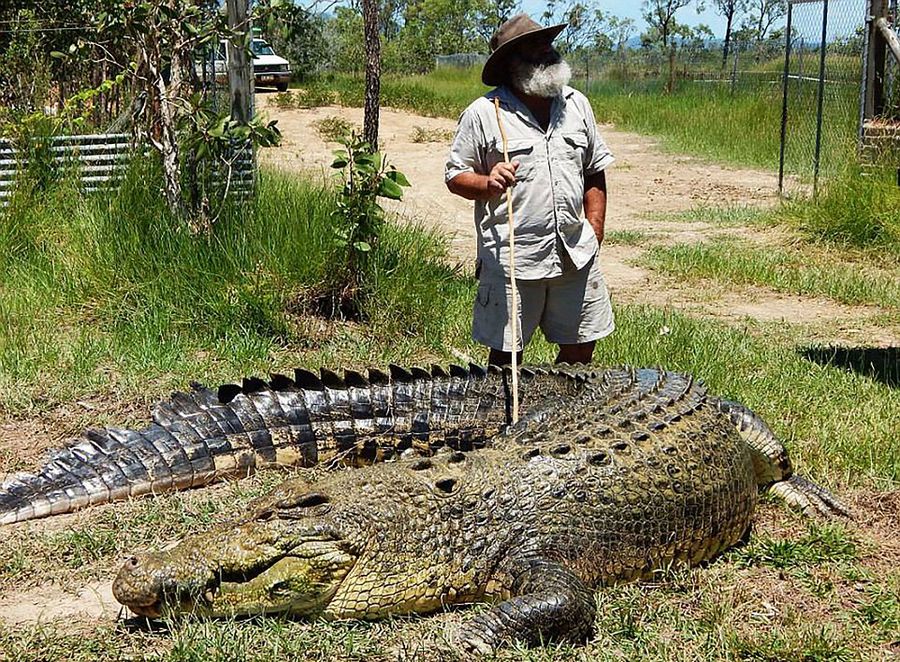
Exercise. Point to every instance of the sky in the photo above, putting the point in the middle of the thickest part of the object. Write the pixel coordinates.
(632, 9)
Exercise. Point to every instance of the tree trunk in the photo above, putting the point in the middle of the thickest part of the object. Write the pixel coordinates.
(727, 48)
(670, 86)
(240, 70)
(166, 141)
(373, 73)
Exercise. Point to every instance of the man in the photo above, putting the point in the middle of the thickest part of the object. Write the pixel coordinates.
(555, 171)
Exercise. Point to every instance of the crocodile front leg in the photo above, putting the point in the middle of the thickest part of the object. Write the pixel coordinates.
(549, 603)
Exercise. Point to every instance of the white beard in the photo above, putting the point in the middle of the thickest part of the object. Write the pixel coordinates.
(540, 80)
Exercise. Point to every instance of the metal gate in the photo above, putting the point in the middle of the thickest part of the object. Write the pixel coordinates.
(822, 91)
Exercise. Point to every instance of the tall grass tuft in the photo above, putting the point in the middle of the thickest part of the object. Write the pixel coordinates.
(852, 210)
(114, 284)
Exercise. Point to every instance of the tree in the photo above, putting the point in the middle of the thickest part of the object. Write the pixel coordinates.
(296, 33)
(729, 10)
(490, 15)
(764, 14)
(373, 73)
(343, 31)
(620, 30)
(439, 27)
(664, 28)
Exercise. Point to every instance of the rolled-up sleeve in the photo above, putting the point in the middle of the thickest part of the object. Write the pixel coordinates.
(466, 150)
(598, 156)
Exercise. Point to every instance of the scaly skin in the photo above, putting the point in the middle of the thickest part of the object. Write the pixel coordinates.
(206, 435)
(639, 471)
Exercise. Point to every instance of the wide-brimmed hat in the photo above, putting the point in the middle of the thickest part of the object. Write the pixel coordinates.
(508, 35)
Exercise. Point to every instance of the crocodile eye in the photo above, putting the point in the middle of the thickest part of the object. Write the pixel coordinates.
(307, 500)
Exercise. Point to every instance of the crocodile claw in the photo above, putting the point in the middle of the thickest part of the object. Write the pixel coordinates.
(810, 498)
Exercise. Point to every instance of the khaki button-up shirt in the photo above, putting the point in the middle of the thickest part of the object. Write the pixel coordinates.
(548, 197)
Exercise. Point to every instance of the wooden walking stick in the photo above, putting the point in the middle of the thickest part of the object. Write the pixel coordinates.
(514, 303)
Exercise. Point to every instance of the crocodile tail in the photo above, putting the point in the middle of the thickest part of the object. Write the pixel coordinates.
(204, 435)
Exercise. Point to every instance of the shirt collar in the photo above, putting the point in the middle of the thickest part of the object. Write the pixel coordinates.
(510, 101)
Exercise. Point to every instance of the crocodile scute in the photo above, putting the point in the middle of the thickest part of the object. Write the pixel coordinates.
(204, 435)
(633, 471)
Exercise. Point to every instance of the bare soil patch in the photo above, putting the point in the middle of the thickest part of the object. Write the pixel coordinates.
(645, 183)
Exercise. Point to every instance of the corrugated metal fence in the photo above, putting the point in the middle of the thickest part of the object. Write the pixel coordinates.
(101, 161)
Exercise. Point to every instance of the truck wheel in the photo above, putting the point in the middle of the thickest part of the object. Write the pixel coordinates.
(281, 87)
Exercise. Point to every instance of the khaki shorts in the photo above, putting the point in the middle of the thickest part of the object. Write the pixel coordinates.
(570, 309)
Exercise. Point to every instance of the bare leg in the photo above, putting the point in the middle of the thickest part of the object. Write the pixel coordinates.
(580, 353)
(498, 357)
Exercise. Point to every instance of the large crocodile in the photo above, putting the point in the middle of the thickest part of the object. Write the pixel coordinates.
(207, 434)
(634, 471)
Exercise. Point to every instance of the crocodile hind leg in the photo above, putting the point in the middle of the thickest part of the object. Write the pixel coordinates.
(773, 466)
(550, 603)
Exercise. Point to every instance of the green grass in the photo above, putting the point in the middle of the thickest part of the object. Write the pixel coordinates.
(92, 288)
(116, 300)
(627, 238)
(734, 216)
(790, 271)
(821, 544)
(851, 211)
(742, 128)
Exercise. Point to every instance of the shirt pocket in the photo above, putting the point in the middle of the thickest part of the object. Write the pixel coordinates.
(576, 148)
(521, 151)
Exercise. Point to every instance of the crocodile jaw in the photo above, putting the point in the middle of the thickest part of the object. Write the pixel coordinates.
(237, 575)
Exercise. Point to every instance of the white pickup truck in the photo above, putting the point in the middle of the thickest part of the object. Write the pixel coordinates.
(269, 69)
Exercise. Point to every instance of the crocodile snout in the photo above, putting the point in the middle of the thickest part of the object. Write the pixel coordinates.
(139, 588)
(147, 584)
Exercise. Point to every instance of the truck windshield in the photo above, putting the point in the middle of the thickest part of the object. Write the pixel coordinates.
(261, 48)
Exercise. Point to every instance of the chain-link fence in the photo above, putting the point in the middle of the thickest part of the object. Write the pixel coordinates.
(892, 73)
(460, 60)
(822, 80)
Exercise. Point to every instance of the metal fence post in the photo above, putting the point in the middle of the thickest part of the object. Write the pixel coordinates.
(823, 47)
(864, 88)
(784, 101)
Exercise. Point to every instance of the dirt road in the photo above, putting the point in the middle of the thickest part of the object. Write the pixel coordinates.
(646, 184)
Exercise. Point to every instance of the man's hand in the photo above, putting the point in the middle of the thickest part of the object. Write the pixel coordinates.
(473, 186)
(501, 177)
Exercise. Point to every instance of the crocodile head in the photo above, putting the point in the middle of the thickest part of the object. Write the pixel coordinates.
(284, 556)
